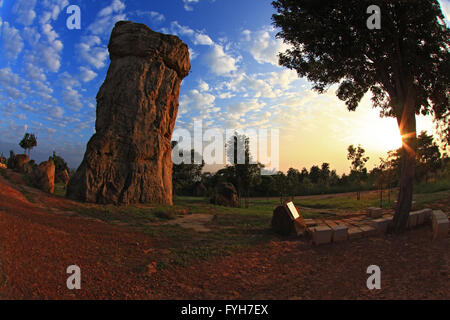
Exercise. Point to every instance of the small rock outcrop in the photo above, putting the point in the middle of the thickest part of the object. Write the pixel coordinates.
(17, 162)
(226, 195)
(43, 176)
(128, 159)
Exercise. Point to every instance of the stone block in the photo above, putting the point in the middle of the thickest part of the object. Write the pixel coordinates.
(374, 212)
(381, 225)
(310, 223)
(322, 235)
(340, 233)
(354, 233)
(412, 219)
(440, 224)
(368, 230)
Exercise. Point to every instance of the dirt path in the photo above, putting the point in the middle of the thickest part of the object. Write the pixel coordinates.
(38, 241)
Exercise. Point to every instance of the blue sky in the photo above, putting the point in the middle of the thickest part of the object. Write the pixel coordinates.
(49, 77)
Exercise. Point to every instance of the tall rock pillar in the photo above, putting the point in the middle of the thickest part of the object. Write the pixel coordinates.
(128, 159)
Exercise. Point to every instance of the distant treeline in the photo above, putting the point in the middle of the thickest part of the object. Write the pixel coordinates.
(189, 180)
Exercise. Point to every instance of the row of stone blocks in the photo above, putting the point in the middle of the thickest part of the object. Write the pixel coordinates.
(338, 233)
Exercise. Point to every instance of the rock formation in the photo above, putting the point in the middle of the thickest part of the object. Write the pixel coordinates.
(128, 159)
(226, 195)
(17, 162)
(43, 176)
(62, 177)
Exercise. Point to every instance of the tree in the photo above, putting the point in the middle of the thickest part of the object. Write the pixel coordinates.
(60, 163)
(405, 64)
(185, 175)
(314, 174)
(428, 155)
(356, 155)
(28, 142)
(243, 173)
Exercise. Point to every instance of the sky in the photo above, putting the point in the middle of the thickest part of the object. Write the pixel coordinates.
(50, 75)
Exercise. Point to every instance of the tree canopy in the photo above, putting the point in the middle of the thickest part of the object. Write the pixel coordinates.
(409, 55)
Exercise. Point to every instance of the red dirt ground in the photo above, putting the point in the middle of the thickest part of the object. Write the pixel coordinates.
(38, 244)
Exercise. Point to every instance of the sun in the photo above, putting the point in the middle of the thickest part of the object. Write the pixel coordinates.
(382, 135)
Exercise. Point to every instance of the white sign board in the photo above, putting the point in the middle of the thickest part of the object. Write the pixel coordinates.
(293, 211)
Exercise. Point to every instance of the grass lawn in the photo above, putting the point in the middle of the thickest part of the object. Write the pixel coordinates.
(232, 229)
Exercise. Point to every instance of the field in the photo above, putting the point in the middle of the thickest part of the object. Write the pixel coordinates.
(198, 250)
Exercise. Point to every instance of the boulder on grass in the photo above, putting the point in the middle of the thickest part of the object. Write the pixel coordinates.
(226, 196)
(43, 176)
(282, 222)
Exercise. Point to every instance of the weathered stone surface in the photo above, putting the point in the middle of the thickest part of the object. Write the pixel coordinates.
(340, 233)
(381, 225)
(17, 162)
(440, 224)
(43, 176)
(354, 233)
(282, 222)
(226, 195)
(374, 212)
(322, 235)
(62, 177)
(413, 219)
(128, 159)
(422, 215)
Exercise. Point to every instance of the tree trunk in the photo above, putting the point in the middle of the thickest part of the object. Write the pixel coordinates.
(407, 126)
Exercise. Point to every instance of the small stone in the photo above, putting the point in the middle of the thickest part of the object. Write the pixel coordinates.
(381, 225)
(368, 230)
(340, 233)
(322, 235)
(440, 224)
(412, 219)
(354, 233)
(374, 212)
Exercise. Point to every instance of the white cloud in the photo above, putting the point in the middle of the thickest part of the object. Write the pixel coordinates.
(34, 73)
(72, 98)
(203, 86)
(115, 6)
(263, 46)
(188, 4)
(12, 41)
(14, 93)
(197, 37)
(152, 15)
(31, 35)
(195, 100)
(8, 78)
(220, 62)
(92, 51)
(57, 112)
(107, 17)
(24, 11)
(192, 54)
(87, 74)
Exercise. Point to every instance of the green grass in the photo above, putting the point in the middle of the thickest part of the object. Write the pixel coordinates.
(432, 187)
(60, 189)
(232, 229)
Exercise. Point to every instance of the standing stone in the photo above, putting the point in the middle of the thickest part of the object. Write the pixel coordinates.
(43, 176)
(128, 159)
(226, 195)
